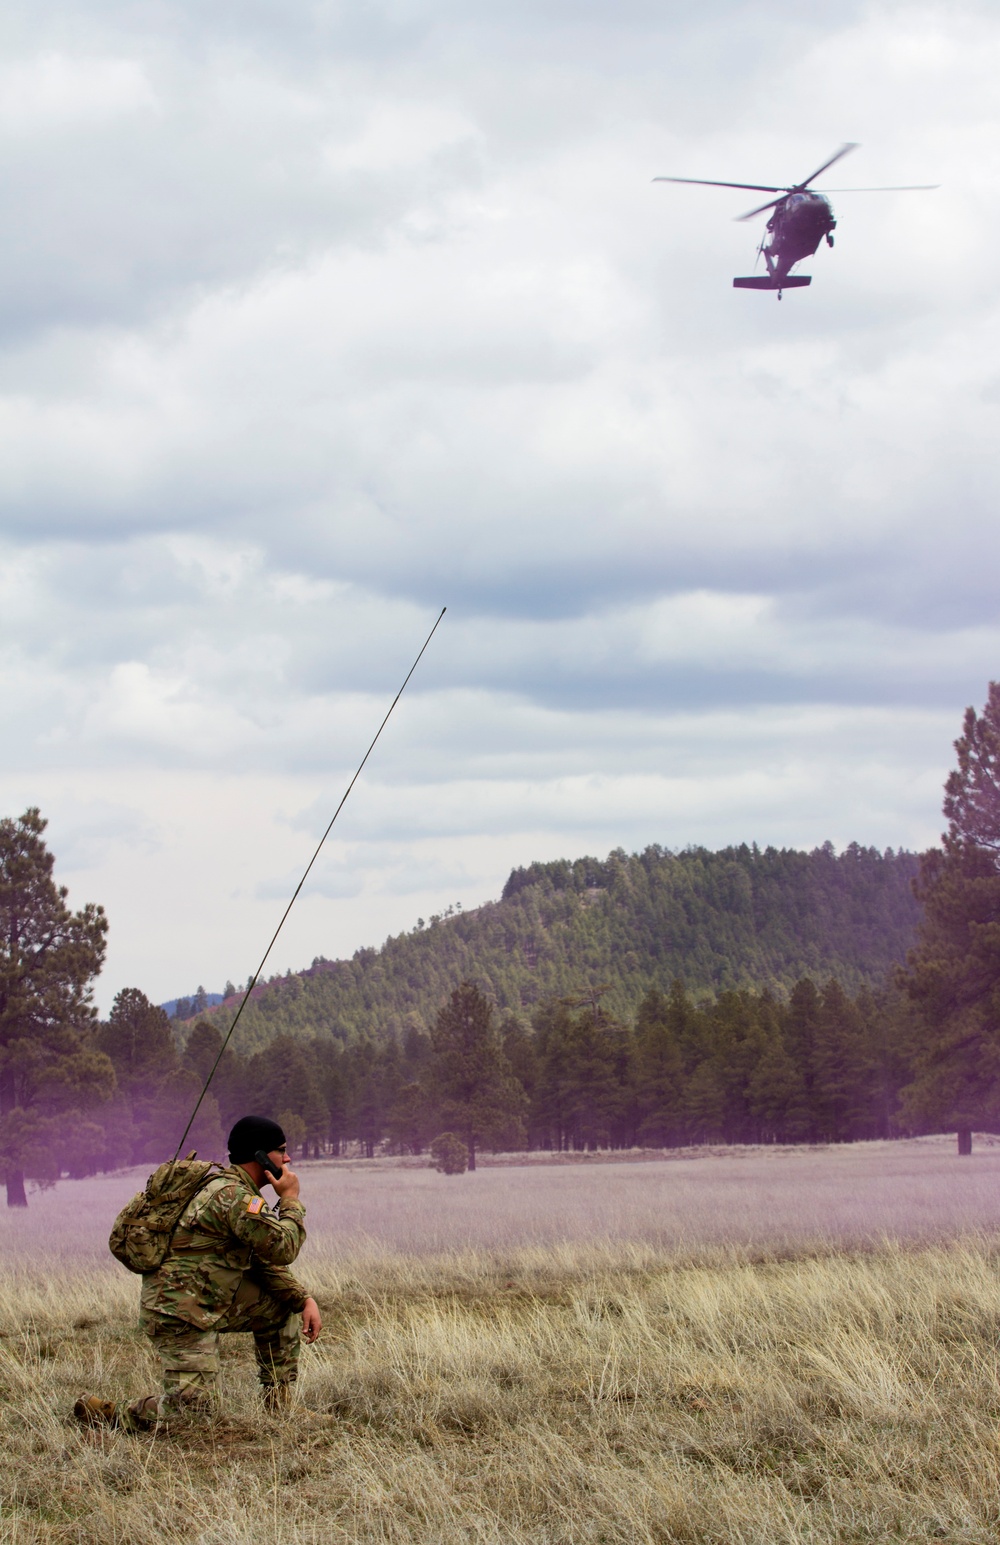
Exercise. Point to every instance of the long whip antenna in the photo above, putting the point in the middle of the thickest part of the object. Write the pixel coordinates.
(253, 980)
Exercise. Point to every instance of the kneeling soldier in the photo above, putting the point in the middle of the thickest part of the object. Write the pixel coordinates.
(226, 1270)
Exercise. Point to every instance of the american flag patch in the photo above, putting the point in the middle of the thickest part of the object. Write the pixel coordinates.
(255, 1204)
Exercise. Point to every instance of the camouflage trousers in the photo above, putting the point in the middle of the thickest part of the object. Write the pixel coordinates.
(189, 1357)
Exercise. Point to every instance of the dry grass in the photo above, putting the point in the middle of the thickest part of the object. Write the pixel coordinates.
(611, 1391)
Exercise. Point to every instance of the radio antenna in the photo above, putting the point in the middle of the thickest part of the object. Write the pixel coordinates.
(254, 979)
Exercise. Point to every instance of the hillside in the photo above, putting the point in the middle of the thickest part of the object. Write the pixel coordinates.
(742, 917)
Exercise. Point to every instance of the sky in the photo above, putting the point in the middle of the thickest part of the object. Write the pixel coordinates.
(316, 319)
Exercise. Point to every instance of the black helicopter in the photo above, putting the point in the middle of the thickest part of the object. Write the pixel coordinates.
(800, 221)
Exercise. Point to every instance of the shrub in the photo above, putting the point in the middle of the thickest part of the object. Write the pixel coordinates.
(449, 1154)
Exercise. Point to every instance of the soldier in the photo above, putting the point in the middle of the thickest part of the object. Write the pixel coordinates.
(227, 1269)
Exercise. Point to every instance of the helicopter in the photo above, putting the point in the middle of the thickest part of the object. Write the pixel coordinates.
(802, 218)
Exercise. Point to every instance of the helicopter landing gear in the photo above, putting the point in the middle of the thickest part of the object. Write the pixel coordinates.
(829, 238)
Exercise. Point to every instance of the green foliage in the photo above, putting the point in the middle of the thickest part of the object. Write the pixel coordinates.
(953, 975)
(481, 1022)
(449, 1154)
(202, 1047)
(972, 790)
(294, 1128)
(50, 1067)
(470, 1080)
(157, 1088)
(556, 1017)
(284, 1078)
(581, 1086)
(744, 1069)
(741, 918)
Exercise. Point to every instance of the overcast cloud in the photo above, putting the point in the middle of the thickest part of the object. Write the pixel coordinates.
(315, 319)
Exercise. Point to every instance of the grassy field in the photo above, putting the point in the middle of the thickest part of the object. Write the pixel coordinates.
(623, 1388)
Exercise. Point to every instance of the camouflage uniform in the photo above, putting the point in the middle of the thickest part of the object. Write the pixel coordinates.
(227, 1270)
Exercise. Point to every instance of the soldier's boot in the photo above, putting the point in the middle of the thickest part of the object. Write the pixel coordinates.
(278, 1402)
(277, 1398)
(142, 1415)
(93, 1411)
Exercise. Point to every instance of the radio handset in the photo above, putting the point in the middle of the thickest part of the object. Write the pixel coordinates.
(267, 1163)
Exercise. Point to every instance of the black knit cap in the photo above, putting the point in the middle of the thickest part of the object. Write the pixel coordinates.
(252, 1133)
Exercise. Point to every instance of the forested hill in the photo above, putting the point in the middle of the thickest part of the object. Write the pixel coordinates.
(743, 917)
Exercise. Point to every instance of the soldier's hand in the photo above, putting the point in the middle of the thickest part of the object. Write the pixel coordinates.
(288, 1185)
(312, 1321)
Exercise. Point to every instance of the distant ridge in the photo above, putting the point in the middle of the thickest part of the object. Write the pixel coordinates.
(741, 917)
(191, 1001)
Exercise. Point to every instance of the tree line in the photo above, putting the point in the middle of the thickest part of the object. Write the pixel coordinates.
(744, 917)
(743, 1068)
(823, 1061)
(79, 1095)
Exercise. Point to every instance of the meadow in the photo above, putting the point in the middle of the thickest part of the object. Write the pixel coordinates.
(749, 1345)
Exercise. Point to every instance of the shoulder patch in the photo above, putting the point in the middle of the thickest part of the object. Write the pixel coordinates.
(255, 1204)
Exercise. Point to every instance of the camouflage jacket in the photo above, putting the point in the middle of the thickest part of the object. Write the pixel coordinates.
(226, 1232)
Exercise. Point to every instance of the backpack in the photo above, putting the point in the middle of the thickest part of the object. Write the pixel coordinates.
(144, 1228)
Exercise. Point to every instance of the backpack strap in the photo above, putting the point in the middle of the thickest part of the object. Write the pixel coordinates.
(191, 1241)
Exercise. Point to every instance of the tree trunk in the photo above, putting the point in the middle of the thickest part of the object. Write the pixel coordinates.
(15, 1189)
(471, 1145)
(964, 1141)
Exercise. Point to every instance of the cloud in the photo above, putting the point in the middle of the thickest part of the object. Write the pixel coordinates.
(59, 92)
(329, 883)
(312, 324)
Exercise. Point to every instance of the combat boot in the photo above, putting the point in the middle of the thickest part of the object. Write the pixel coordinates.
(278, 1401)
(92, 1411)
(142, 1415)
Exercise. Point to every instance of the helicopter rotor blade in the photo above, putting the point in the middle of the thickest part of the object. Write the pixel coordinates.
(902, 187)
(700, 182)
(843, 151)
(759, 211)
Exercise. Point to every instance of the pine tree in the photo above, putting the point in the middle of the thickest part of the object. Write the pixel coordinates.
(658, 1072)
(774, 1084)
(842, 1072)
(50, 1068)
(476, 1093)
(366, 1113)
(551, 1115)
(887, 1018)
(705, 1102)
(202, 1047)
(138, 1038)
(801, 1030)
(953, 975)
(409, 1123)
(597, 1086)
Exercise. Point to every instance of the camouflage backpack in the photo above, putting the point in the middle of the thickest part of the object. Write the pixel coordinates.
(144, 1228)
